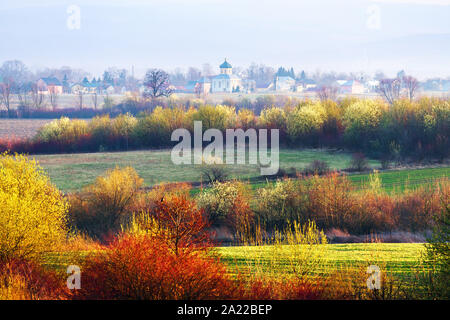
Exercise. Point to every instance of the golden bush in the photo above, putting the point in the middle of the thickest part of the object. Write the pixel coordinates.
(32, 210)
(108, 199)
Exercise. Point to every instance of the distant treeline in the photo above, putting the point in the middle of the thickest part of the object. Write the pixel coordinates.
(414, 129)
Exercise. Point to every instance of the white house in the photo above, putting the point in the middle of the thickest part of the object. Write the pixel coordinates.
(226, 81)
(284, 83)
(352, 87)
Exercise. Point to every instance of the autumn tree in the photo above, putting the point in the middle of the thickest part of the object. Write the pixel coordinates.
(181, 223)
(157, 84)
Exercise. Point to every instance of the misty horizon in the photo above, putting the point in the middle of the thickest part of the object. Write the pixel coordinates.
(368, 36)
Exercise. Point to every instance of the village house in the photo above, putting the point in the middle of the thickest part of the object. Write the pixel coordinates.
(86, 87)
(203, 86)
(352, 87)
(50, 85)
(284, 83)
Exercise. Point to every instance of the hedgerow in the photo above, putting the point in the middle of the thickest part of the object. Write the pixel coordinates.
(416, 129)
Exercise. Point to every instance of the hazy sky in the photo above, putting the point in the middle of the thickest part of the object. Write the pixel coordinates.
(340, 35)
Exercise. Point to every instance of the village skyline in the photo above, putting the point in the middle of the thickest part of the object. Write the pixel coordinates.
(389, 35)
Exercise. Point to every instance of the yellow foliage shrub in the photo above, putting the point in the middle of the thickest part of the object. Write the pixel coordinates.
(306, 120)
(273, 118)
(32, 210)
(107, 202)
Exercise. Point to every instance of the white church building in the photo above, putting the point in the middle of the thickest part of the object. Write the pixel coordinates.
(226, 81)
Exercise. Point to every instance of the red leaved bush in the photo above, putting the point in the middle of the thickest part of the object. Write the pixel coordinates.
(26, 280)
(143, 267)
(180, 223)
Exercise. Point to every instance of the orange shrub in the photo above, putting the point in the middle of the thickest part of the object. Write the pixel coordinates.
(144, 268)
(178, 222)
(417, 209)
(330, 199)
(24, 280)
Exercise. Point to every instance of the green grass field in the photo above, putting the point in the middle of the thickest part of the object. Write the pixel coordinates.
(399, 180)
(71, 172)
(395, 258)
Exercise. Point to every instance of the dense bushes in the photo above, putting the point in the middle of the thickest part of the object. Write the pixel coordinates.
(32, 210)
(174, 220)
(416, 129)
(227, 203)
(438, 255)
(305, 122)
(163, 250)
(104, 206)
(25, 280)
(332, 202)
(142, 267)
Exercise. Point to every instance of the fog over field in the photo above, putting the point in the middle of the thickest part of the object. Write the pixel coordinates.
(344, 35)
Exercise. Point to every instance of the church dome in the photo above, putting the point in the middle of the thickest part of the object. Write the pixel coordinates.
(225, 65)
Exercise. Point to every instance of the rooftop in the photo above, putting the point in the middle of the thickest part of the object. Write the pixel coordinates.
(225, 65)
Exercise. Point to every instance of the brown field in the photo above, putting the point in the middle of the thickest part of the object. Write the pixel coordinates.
(20, 128)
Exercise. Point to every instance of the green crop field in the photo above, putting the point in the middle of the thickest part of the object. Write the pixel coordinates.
(398, 180)
(70, 172)
(395, 258)
(73, 171)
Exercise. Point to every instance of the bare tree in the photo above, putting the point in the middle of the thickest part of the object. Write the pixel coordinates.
(390, 89)
(37, 96)
(157, 83)
(53, 96)
(327, 93)
(411, 85)
(262, 74)
(80, 95)
(12, 72)
(193, 74)
(94, 98)
(5, 91)
(23, 94)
